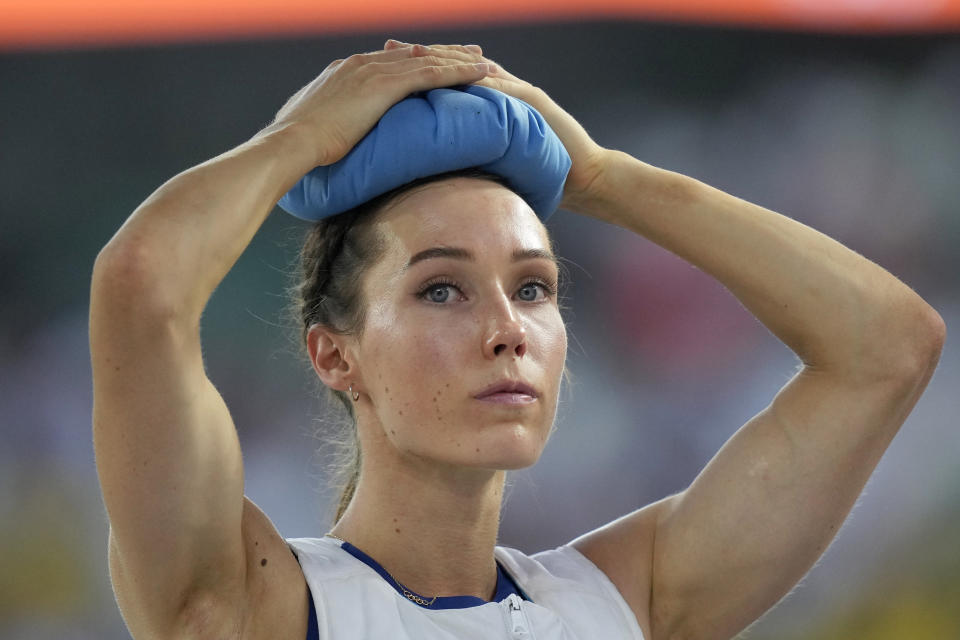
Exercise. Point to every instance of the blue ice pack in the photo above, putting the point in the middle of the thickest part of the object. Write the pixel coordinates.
(434, 132)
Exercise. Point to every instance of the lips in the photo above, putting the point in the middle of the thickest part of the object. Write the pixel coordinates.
(508, 390)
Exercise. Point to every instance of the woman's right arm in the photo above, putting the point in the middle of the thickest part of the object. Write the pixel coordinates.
(167, 451)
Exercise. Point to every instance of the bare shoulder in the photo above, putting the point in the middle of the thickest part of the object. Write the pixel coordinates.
(267, 600)
(623, 550)
(277, 604)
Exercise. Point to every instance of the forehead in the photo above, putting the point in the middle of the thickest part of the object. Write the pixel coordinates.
(474, 214)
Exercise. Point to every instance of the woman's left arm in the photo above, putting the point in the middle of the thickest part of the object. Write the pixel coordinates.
(765, 508)
(710, 560)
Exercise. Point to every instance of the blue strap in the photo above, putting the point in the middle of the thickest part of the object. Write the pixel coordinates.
(505, 585)
(313, 629)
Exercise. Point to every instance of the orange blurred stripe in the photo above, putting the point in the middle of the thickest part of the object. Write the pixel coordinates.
(38, 23)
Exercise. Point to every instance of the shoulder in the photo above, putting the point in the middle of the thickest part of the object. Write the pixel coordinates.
(276, 592)
(623, 550)
(267, 597)
(572, 585)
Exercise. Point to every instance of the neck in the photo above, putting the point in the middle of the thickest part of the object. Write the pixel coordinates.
(433, 527)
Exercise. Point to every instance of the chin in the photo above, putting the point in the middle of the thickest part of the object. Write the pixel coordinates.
(509, 449)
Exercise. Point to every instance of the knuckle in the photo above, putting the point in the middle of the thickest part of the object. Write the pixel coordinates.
(357, 60)
(432, 71)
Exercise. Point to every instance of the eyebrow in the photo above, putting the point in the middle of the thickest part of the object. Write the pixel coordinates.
(458, 253)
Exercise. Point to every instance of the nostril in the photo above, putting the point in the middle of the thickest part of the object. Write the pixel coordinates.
(497, 350)
(521, 349)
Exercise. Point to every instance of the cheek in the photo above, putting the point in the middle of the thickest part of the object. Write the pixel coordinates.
(551, 336)
(418, 367)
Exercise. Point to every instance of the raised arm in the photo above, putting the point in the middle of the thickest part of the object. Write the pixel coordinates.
(181, 537)
(707, 562)
(716, 556)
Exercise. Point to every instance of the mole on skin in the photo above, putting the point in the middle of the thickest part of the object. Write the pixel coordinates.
(263, 562)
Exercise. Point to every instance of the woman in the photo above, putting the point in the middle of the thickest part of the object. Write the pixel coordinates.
(450, 360)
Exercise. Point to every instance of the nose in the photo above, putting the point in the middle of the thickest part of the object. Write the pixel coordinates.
(504, 333)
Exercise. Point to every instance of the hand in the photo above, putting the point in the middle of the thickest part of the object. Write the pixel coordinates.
(586, 155)
(343, 103)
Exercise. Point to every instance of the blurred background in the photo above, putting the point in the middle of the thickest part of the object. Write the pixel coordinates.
(844, 116)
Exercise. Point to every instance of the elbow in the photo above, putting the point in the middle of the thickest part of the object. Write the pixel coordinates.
(924, 343)
(908, 351)
(127, 282)
(124, 261)
(119, 263)
(937, 334)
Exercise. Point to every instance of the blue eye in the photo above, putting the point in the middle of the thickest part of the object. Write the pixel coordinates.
(438, 293)
(529, 291)
(536, 291)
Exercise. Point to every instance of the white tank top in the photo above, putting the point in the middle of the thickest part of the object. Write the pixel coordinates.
(570, 599)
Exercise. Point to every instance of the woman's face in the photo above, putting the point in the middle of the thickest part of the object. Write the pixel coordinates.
(463, 346)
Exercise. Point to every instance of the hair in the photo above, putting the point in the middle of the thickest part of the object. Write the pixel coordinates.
(335, 257)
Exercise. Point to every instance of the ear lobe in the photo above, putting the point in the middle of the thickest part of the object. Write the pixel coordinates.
(328, 357)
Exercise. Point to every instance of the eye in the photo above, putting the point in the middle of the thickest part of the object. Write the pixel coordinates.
(439, 292)
(534, 291)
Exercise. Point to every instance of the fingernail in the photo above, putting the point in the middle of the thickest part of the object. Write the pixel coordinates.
(475, 47)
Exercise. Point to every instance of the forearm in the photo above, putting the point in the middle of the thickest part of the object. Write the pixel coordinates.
(835, 309)
(182, 241)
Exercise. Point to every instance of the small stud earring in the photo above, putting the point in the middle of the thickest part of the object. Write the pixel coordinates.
(354, 394)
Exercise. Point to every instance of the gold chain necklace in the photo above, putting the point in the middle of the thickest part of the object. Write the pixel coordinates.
(409, 595)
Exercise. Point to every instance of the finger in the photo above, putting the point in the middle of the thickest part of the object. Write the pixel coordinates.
(499, 72)
(423, 63)
(470, 49)
(454, 53)
(427, 77)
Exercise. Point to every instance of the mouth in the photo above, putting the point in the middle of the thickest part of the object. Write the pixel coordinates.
(511, 392)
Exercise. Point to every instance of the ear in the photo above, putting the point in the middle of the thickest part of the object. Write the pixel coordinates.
(331, 357)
